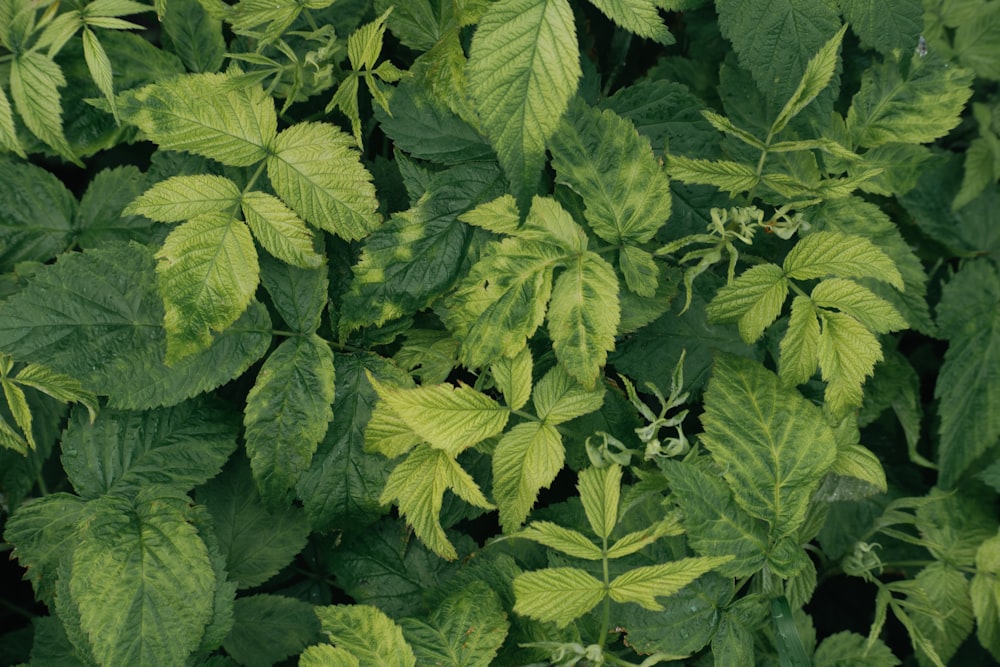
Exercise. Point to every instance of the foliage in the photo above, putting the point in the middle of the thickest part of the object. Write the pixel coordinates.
(510, 332)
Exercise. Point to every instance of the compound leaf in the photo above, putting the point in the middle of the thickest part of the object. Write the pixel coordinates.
(569, 542)
(643, 584)
(600, 493)
(558, 397)
(847, 296)
(800, 347)
(754, 300)
(35, 80)
(367, 633)
(558, 594)
(526, 460)
(185, 197)
(639, 16)
(822, 254)
(848, 353)
(280, 231)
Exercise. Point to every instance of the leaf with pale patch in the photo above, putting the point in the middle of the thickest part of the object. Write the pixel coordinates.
(641, 17)
(640, 271)
(754, 300)
(182, 198)
(558, 594)
(799, 354)
(526, 460)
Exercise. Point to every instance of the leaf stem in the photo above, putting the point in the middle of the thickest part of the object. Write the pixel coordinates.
(606, 620)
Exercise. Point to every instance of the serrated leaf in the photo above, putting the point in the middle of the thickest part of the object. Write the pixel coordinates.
(914, 107)
(850, 298)
(324, 655)
(269, 628)
(641, 273)
(773, 445)
(365, 44)
(600, 493)
(643, 585)
(848, 353)
(567, 541)
(317, 172)
(205, 115)
(951, 618)
(984, 589)
(884, 25)
(818, 72)
(638, 16)
(969, 317)
(35, 80)
(450, 418)
(558, 398)
(583, 317)
(602, 158)
(557, 594)
(850, 648)
(523, 68)
(60, 387)
(142, 580)
(976, 41)
(754, 300)
(255, 540)
(194, 35)
(287, 414)
(823, 254)
(418, 485)
(526, 460)
(182, 198)
(122, 452)
(499, 216)
(207, 274)
(799, 355)
(388, 434)
(860, 463)
(513, 378)
(100, 67)
(299, 295)
(367, 633)
(18, 406)
(731, 177)
(279, 230)
(101, 216)
(8, 135)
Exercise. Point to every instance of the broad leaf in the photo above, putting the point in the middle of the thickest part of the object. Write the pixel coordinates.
(299, 295)
(184, 197)
(194, 35)
(280, 231)
(513, 378)
(800, 347)
(35, 80)
(101, 217)
(287, 414)
(269, 628)
(850, 298)
(985, 592)
(643, 584)
(884, 25)
(559, 398)
(523, 69)
(367, 633)
(754, 300)
(526, 460)
(324, 655)
(950, 618)
(639, 16)
(823, 254)
(773, 445)
(603, 159)
(640, 270)
(600, 493)
(559, 594)
(847, 354)
(569, 542)
(36, 214)
(850, 648)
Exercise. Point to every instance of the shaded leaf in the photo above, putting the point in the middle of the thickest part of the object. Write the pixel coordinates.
(269, 628)
(36, 214)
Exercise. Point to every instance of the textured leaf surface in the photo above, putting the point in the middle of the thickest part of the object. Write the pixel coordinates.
(818, 73)
(35, 80)
(185, 197)
(367, 633)
(194, 35)
(207, 273)
(288, 412)
(279, 230)
(834, 253)
(559, 594)
(772, 445)
(324, 655)
(984, 590)
(603, 159)
(204, 115)
(8, 133)
(600, 493)
(754, 300)
(968, 387)
(638, 16)
(315, 169)
(847, 353)
(101, 217)
(569, 542)
(850, 298)
(731, 177)
(800, 346)
(950, 618)
(526, 460)
(884, 25)
(559, 398)
(523, 69)
(269, 628)
(299, 295)
(142, 580)
(513, 378)
(643, 584)
(850, 648)
(36, 214)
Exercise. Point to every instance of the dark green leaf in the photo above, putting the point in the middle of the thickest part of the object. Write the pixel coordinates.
(36, 214)
(194, 35)
(299, 295)
(100, 218)
(885, 25)
(269, 628)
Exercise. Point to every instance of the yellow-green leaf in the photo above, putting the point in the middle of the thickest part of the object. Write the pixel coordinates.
(554, 536)
(526, 460)
(848, 353)
(558, 594)
(182, 198)
(754, 300)
(513, 377)
(558, 397)
(823, 254)
(800, 347)
(279, 230)
(600, 493)
(643, 584)
(35, 80)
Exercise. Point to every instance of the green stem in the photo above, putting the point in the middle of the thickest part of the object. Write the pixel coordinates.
(606, 622)
(256, 175)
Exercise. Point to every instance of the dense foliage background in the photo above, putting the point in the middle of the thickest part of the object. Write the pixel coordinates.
(513, 332)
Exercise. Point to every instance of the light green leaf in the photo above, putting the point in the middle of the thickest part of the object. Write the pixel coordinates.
(465, 630)
(884, 25)
(548, 222)
(18, 405)
(639, 16)
(948, 619)
(499, 216)
(860, 463)
(643, 584)
(559, 398)
(269, 628)
(731, 177)
(917, 107)
(142, 580)
(639, 269)
(365, 44)
(324, 655)
(800, 347)
(8, 135)
(279, 230)
(583, 317)
(182, 198)
(557, 594)
(35, 80)
(387, 433)
(969, 317)
(450, 418)
(523, 68)
(600, 493)
(822, 254)
(207, 274)
(602, 158)
(818, 73)
(848, 353)
(317, 172)
(418, 485)
(368, 634)
(850, 298)
(205, 115)
(569, 542)
(754, 300)
(288, 411)
(513, 378)
(985, 592)
(526, 460)
(60, 387)
(100, 68)
(773, 445)
(640, 539)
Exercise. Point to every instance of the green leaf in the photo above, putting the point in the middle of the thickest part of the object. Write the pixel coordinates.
(523, 68)
(849, 648)
(8, 134)
(60, 387)
(100, 68)
(949, 617)
(36, 214)
(316, 171)
(466, 629)
(279, 230)
(420, 24)
(799, 355)
(848, 353)
(287, 414)
(731, 177)
(953, 526)
(984, 590)
(194, 35)
(557, 594)
(569, 542)
(823, 254)
(602, 158)
(269, 628)
(583, 317)
(207, 274)
(559, 398)
(101, 218)
(643, 584)
(418, 485)
(185, 197)
(715, 523)
(35, 80)
(640, 271)
(205, 115)
(818, 73)
(122, 452)
(600, 493)
(917, 107)
(969, 317)
(18, 406)
(884, 25)
(367, 633)
(976, 41)
(639, 16)
(754, 300)
(850, 298)
(860, 463)
(773, 445)
(256, 541)
(526, 460)
(299, 295)
(142, 580)
(324, 655)
(513, 378)
(499, 216)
